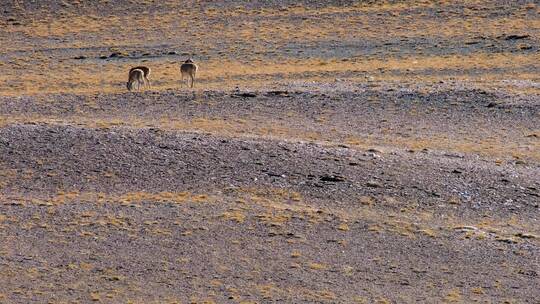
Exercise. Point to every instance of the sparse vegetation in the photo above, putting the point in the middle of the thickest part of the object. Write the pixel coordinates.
(331, 153)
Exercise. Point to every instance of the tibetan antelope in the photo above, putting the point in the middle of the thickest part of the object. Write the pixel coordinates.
(188, 68)
(135, 76)
(146, 71)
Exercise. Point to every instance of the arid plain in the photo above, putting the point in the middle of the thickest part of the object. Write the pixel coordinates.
(330, 152)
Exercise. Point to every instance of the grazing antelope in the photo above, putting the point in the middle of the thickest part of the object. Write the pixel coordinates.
(135, 76)
(188, 68)
(146, 71)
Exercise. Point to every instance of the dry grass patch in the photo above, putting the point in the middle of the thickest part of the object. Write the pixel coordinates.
(237, 216)
(110, 77)
(317, 266)
(126, 198)
(343, 227)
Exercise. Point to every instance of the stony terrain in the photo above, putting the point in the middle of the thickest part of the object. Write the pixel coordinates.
(332, 152)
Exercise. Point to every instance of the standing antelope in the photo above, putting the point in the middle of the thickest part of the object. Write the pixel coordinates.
(146, 71)
(135, 76)
(188, 68)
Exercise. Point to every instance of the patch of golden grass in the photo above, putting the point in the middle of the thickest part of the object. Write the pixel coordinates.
(366, 200)
(317, 266)
(343, 227)
(410, 224)
(125, 198)
(237, 216)
(284, 25)
(274, 218)
(454, 296)
(279, 206)
(268, 291)
(111, 77)
(478, 290)
(296, 254)
(492, 147)
(495, 147)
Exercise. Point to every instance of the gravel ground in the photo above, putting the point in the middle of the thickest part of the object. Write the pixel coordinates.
(332, 152)
(151, 209)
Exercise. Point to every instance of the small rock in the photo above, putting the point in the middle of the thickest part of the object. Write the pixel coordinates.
(530, 273)
(245, 94)
(466, 228)
(275, 174)
(332, 178)
(371, 154)
(373, 150)
(373, 184)
(506, 240)
(453, 155)
(80, 57)
(491, 104)
(526, 235)
(516, 37)
(278, 93)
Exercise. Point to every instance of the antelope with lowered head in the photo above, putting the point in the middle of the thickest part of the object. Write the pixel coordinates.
(136, 77)
(146, 71)
(188, 68)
